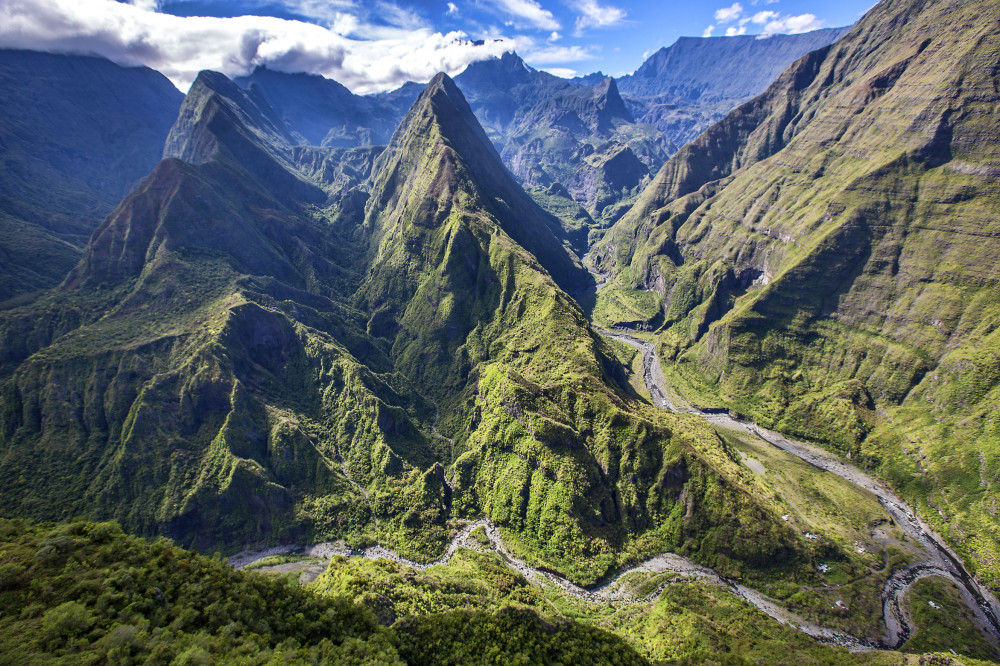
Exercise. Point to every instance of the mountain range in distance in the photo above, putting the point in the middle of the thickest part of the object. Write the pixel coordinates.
(694, 365)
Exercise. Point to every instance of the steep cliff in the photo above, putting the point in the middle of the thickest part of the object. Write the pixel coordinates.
(824, 258)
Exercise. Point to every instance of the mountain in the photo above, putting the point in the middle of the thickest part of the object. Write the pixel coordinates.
(823, 259)
(546, 127)
(685, 87)
(322, 112)
(699, 69)
(77, 133)
(553, 131)
(268, 343)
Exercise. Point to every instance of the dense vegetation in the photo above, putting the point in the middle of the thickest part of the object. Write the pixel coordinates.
(87, 593)
(285, 335)
(269, 342)
(688, 622)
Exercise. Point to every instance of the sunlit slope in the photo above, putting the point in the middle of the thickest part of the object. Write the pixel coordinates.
(828, 251)
(259, 347)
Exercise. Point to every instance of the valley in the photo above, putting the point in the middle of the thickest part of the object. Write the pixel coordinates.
(934, 557)
(698, 364)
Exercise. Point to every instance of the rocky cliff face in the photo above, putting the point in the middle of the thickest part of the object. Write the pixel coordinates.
(824, 256)
(685, 87)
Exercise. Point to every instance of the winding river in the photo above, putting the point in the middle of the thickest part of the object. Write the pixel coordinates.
(938, 559)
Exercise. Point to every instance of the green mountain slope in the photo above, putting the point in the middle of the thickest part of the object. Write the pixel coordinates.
(76, 134)
(550, 131)
(249, 353)
(823, 259)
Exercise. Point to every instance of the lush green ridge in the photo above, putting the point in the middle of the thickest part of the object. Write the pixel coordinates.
(824, 260)
(275, 343)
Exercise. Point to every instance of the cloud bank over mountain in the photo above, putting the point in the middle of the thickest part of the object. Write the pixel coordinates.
(365, 58)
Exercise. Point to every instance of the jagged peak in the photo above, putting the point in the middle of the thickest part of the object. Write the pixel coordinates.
(607, 88)
(443, 105)
(512, 62)
(442, 115)
(609, 100)
(211, 93)
(506, 70)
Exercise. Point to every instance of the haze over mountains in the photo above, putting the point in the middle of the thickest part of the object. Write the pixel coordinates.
(78, 134)
(272, 313)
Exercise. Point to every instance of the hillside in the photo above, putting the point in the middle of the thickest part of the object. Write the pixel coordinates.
(250, 354)
(133, 601)
(823, 260)
(77, 134)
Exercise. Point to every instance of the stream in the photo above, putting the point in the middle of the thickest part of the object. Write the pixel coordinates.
(939, 560)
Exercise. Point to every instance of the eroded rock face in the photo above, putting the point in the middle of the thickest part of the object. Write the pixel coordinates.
(684, 88)
(607, 177)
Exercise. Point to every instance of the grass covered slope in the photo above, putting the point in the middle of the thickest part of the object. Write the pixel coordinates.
(543, 440)
(87, 593)
(824, 258)
(249, 354)
(199, 374)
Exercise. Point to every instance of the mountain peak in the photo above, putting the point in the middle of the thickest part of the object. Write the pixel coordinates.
(610, 104)
(442, 105)
(512, 62)
(440, 135)
(608, 89)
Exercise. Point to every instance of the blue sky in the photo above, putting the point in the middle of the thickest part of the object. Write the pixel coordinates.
(372, 45)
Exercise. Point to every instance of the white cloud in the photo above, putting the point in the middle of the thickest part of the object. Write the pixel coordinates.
(764, 17)
(734, 31)
(554, 37)
(594, 15)
(452, 9)
(793, 25)
(182, 46)
(530, 11)
(729, 14)
(708, 32)
(563, 72)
